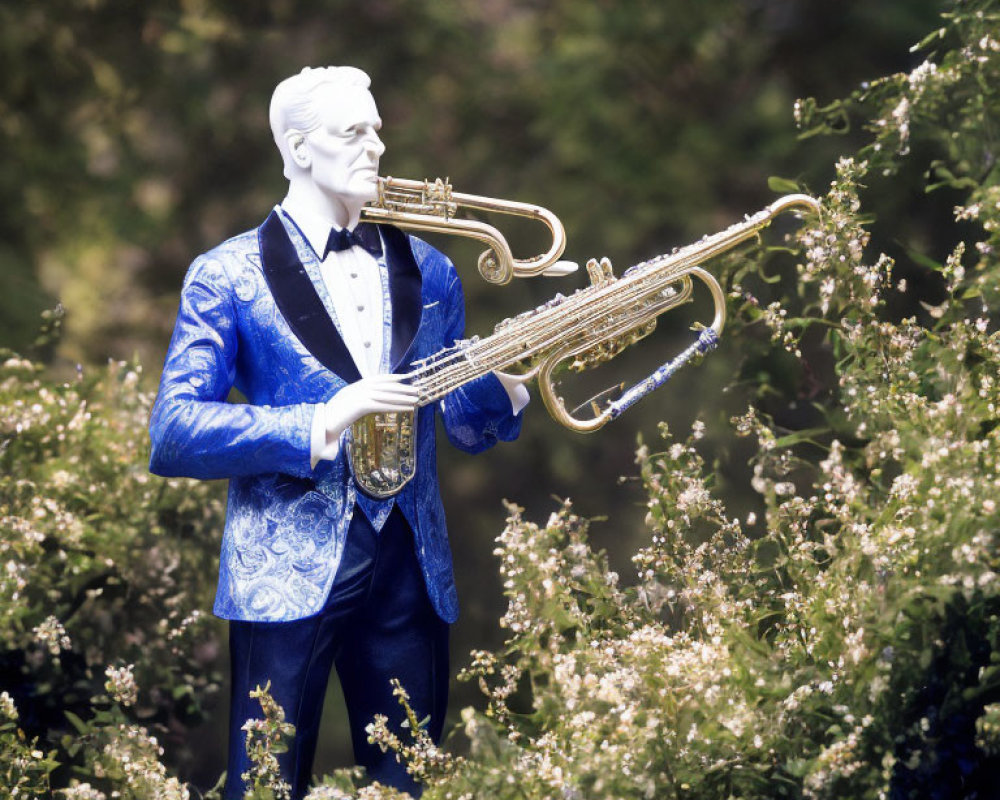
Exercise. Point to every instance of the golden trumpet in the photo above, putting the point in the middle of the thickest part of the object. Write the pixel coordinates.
(433, 206)
(584, 329)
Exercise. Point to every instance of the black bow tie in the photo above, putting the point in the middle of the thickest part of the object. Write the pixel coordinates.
(364, 235)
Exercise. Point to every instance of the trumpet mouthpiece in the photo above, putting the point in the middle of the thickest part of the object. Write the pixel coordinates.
(561, 269)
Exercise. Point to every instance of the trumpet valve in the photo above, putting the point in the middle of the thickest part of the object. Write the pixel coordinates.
(438, 193)
(609, 348)
(642, 331)
(600, 272)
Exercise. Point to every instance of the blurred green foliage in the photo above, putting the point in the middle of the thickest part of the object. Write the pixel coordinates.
(136, 137)
(103, 565)
(136, 134)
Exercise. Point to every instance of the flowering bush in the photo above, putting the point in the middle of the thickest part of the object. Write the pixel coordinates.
(101, 566)
(846, 643)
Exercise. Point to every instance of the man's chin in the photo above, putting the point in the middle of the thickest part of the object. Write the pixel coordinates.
(366, 192)
(354, 194)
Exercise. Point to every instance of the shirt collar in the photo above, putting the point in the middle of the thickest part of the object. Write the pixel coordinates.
(314, 227)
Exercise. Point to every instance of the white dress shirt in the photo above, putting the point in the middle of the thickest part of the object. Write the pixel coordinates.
(354, 280)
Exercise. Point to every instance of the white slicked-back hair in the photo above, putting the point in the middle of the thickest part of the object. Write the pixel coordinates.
(294, 108)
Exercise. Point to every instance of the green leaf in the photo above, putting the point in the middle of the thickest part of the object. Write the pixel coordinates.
(923, 260)
(783, 185)
(768, 552)
(804, 435)
(81, 727)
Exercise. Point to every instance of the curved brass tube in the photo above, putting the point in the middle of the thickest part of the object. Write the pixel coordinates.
(432, 206)
(555, 405)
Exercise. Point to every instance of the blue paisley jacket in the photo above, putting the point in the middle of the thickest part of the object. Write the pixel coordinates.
(286, 523)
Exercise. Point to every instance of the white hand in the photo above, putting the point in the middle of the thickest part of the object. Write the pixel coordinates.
(378, 393)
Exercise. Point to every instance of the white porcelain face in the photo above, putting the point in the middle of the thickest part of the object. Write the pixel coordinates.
(346, 148)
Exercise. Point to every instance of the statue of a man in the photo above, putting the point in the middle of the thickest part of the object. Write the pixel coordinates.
(315, 319)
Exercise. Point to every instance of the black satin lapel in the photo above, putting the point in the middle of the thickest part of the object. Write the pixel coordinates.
(405, 288)
(298, 301)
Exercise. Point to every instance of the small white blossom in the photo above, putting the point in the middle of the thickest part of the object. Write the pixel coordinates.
(52, 635)
(121, 685)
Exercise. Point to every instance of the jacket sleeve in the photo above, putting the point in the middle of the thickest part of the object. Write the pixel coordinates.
(193, 430)
(479, 413)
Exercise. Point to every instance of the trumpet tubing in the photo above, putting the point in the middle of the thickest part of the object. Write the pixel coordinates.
(434, 207)
(587, 328)
(597, 321)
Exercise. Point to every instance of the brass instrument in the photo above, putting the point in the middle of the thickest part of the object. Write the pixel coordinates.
(585, 329)
(433, 206)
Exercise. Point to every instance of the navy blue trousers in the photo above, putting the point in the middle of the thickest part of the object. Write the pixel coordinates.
(377, 624)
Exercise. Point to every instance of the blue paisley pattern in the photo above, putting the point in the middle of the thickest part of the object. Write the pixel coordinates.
(285, 522)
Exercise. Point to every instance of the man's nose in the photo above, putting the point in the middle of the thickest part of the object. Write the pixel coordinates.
(374, 145)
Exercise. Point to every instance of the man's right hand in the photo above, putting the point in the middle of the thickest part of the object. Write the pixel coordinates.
(379, 393)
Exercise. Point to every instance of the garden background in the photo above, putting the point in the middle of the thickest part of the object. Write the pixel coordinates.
(806, 604)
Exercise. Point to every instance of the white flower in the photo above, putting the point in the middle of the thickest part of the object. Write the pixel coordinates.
(7, 707)
(52, 635)
(82, 791)
(121, 685)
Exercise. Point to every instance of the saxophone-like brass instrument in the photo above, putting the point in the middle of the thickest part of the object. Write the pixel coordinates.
(433, 206)
(585, 329)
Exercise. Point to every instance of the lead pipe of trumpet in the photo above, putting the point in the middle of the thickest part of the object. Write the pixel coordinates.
(526, 267)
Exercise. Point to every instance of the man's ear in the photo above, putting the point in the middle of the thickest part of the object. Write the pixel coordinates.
(299, 149)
